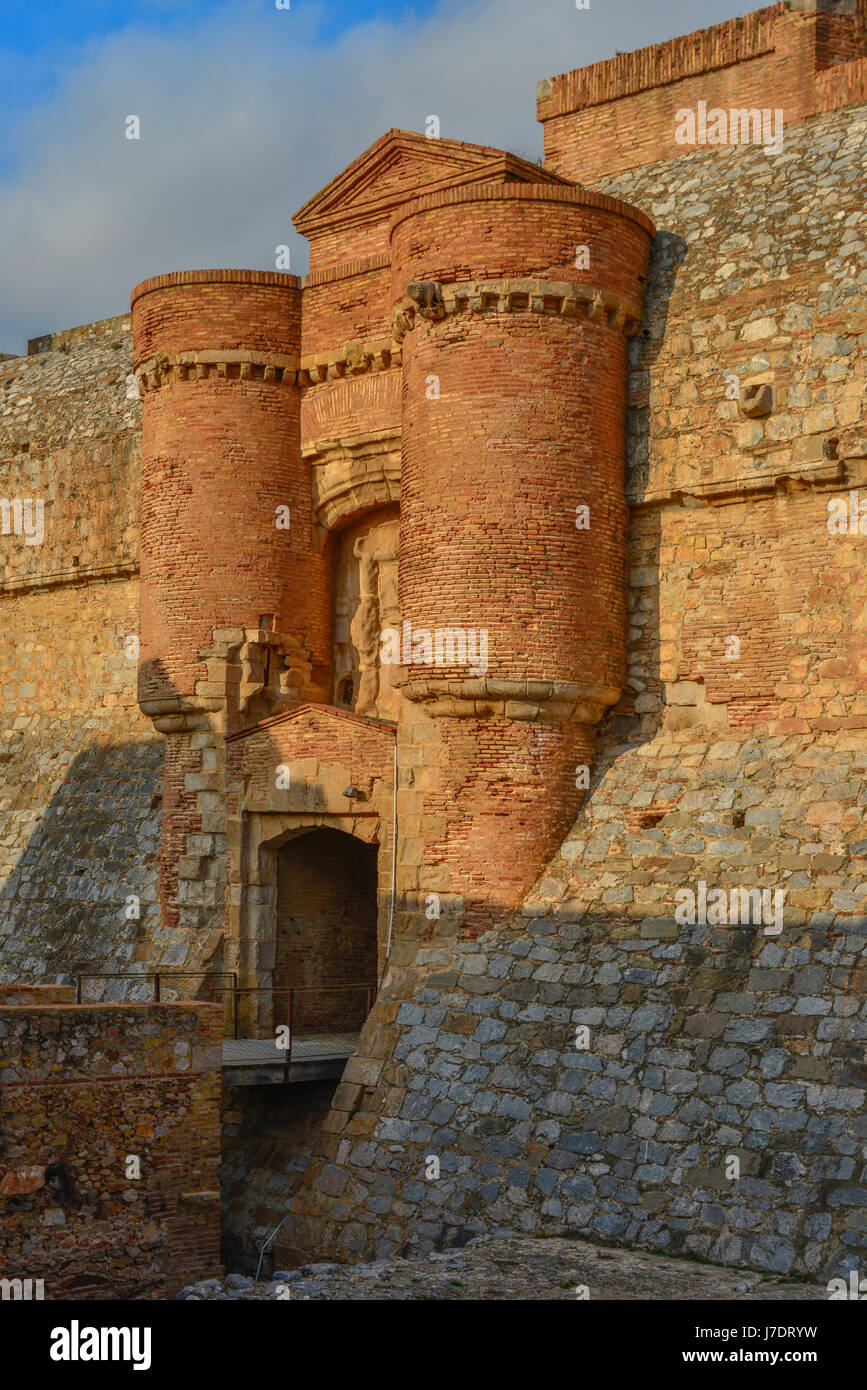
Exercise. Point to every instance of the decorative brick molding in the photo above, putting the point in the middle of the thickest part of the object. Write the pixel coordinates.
(480, 698)
(354, 359)
(513, 295)
(504, 295)
(239, 365)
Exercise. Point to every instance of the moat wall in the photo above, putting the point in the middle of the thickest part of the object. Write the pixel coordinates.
(109, 1116)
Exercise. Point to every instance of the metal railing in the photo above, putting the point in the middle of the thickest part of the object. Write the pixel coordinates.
(236, 995)
(296, 997)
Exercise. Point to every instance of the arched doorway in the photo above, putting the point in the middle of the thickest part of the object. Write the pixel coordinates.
(326, 939)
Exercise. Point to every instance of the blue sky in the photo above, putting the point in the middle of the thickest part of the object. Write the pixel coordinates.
(40, 42)
(246, 111)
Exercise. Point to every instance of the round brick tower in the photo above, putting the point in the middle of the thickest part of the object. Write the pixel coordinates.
(217, 354)
(234, 607)
(515, 303)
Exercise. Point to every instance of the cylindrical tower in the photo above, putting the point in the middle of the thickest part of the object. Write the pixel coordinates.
(226, 498)
(235, 603)
(515, 302)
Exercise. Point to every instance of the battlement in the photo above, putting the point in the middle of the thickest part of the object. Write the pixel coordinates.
(75, 337)
(801, 58)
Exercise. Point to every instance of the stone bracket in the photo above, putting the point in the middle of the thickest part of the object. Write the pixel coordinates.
(513, 295)
(493, 697)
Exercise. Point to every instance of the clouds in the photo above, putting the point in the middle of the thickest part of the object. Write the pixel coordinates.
(245, 112)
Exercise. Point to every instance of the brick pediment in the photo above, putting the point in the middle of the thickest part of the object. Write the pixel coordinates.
(401, 165)
(322, 750)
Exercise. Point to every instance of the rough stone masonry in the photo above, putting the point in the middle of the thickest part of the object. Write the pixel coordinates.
(608, 411)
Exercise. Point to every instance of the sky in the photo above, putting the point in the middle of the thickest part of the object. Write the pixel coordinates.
(245, 111)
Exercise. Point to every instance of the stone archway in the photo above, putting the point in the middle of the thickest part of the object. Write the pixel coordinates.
(326, 945)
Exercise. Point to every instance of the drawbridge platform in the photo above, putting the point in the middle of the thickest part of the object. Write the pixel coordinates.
(260, 1062)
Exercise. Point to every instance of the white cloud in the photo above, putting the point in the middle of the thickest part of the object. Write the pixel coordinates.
(245, 116)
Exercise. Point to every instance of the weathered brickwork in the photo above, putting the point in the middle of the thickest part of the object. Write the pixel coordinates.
(623, 113)
(595, 459)
(84, 1090)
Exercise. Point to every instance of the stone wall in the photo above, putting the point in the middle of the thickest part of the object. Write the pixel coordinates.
(86, 1093)
(269, 1134)
(80, 770)
(702, 1043)
(728, 765)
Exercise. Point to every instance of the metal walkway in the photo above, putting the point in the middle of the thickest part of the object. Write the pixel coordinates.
(259, 1062)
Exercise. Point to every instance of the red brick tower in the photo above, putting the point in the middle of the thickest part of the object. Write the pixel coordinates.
(516, 302)
(234, 606)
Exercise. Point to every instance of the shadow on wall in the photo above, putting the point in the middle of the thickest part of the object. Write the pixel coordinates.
(597, 1077)
(668, 251)
(637, 717)
(270, 1134)
(83, 893)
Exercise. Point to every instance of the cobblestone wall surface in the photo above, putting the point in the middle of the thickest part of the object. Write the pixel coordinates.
(80, 768)
(703, 1043)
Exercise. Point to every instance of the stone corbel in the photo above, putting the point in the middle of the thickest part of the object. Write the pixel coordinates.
(427, 296)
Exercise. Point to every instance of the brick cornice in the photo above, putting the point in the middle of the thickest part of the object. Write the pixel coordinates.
(523, 192)
(236, 364)
(473, 697)
(514, 295)
(274, 279)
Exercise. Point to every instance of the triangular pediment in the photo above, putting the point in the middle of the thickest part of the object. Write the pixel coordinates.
(401, 165)
(315, 716)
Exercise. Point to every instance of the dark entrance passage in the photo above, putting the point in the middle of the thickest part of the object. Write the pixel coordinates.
(326, 931)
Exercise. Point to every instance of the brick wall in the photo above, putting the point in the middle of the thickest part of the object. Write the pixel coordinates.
(327, 902)
(83, 1089)
(522, 426)
(621, 113)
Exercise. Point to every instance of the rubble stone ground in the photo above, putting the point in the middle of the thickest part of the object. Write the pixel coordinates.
(516, 1268)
